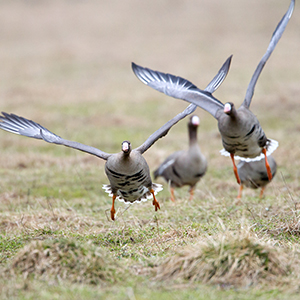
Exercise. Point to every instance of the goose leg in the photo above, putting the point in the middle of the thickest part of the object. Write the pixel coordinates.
(235, 169)
(264, 151)
(113, 211)
(191, 193)
(240, 191)
(172, 194)
(155, 202)
(261, 192)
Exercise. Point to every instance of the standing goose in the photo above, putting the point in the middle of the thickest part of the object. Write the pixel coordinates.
(242, 135)
(187, 167)
(253, 174)
(127, 171)
(184, 167)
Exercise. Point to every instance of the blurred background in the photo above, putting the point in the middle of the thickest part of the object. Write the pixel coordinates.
(67, 66)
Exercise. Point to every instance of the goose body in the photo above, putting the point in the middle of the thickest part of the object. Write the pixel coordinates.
(129, 177)
(241, 132)
(184, 167)
(242, 135)
(253, 174)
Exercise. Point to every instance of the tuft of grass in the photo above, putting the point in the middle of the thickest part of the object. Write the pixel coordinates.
(64, 259)
(239, 261)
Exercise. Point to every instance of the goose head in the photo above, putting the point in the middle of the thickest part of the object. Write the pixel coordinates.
(195, 121)
(192, 128)
(229, 109)
(126, 147)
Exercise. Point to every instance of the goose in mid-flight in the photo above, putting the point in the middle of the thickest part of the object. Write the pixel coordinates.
(127, 171)
(242, 135)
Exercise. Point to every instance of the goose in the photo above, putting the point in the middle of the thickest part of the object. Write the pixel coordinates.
(187, 167)
(253, 174)
(242, 135)
(184, 167)
(127, 171)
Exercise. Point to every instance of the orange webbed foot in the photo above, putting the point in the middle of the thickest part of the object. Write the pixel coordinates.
(113, 211)
(191, 194)
(155, 202)
(239, 196)
(172, 194)
(261, 192)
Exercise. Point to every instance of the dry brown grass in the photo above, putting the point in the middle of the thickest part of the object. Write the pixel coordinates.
(52, 220)
(229, 260)
(64, 260)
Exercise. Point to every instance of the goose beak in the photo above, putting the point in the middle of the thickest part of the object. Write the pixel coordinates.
(227, 108)
(125, 147)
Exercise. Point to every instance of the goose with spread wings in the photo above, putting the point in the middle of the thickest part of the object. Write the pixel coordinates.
(127, 171)
(242, 135)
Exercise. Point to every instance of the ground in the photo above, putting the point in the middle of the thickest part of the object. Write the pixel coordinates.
(67, 65)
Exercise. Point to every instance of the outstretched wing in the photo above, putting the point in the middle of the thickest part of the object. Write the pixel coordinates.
(219, 78)
(19, 125)
(211, 87)
(274, 40)
(181, 88)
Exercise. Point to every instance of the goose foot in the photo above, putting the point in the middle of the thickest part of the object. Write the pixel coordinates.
(261, 192)
(113, 211)
(264, 151)
(239, 196)
(172, 194)
(155, 202)
(235, 169)
(191, 194)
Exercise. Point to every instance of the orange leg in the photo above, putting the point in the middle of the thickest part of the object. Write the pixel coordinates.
(113, 211)
(264, 151)
(191, 194)
(261, 192)
(240, 191)
(155, 202)
(235, 169)
(172, 194)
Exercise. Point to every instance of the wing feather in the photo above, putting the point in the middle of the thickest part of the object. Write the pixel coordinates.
(177, 81)
(181, 88)
(19, 125)
(274, 40)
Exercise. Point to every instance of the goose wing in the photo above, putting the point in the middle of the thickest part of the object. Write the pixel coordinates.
(19, 125)
(181, 88)
(211, 87)
(274, 40)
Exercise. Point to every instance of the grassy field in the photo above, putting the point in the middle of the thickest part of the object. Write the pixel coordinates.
(66, 65)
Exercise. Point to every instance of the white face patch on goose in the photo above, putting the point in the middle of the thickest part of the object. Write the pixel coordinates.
(195, 121)
(125, 146)
(227, 108)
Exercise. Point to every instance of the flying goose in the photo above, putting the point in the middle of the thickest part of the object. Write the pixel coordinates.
(127, 171)
(242, 135)
(253, 174)
(184, 167)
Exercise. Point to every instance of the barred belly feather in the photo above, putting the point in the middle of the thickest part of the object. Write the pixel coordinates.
(128, 184)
